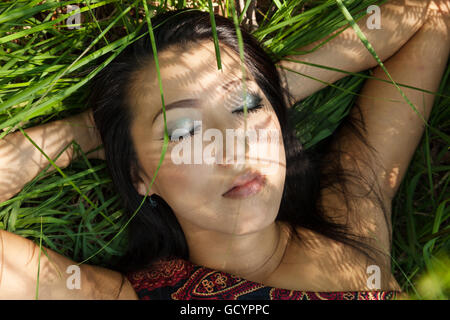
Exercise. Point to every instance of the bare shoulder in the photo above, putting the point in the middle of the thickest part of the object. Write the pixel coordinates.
(320, 264)
(127, 292)
(108, 284)
(357, 199)
(332, 265)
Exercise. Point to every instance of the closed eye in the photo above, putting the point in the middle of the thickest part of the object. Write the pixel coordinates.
(183, 134)
(254, 106)
(252, 109)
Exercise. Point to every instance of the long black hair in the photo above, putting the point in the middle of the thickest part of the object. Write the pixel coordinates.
(154, 232)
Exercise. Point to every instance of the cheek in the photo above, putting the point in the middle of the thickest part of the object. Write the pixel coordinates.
(184, 186)
(268, 145)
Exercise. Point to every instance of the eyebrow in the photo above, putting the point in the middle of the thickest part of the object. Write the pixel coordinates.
(186, 103)
(193, 103)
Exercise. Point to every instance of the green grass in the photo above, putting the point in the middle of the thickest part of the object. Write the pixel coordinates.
(45, 70)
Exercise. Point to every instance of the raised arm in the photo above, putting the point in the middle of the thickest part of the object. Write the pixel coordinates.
(19, 264)
(20, 161)
(20, 258)
(392, 127)
(400, 20)
(393, 130)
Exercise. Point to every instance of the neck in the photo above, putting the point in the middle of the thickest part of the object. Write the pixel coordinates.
(252, 256)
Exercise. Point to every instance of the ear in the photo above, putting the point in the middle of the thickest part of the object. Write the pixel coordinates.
(141, 182)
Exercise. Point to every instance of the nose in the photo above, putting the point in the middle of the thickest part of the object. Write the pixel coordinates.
(236, 149)
(259, 147)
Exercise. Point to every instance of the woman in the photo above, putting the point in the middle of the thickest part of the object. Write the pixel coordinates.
(245, 226)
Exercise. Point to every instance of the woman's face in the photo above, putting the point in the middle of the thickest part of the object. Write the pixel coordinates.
(205, 104)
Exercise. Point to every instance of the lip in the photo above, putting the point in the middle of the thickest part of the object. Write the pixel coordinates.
(246, 185)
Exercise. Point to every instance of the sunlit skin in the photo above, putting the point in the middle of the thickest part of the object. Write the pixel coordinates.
(240, 236)
(234, 235)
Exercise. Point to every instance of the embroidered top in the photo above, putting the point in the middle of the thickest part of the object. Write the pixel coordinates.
(179, 279)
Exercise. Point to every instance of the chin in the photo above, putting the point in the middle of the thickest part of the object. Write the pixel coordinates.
(251, 224)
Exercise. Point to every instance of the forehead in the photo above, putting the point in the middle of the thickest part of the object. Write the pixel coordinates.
(187, 72)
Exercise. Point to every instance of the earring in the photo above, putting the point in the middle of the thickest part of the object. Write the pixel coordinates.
(153, 203)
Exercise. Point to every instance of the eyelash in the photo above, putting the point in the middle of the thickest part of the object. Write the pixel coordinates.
(191, 133)
(240, 112)
(256, 108)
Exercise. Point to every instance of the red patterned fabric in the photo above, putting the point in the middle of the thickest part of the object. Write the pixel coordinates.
(181, 280)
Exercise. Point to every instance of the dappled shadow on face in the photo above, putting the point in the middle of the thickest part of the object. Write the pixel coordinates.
(191, 73)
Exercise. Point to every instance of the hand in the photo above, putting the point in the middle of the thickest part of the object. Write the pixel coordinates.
(439, 6)
(438, 16)
(21, 161)
(88, 119)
